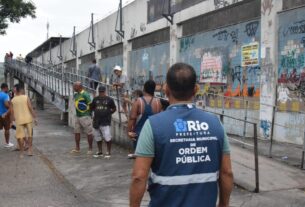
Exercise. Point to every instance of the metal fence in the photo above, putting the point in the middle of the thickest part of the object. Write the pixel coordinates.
(59, 81)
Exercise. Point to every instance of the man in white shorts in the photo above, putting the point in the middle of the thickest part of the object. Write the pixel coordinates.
(103, 107)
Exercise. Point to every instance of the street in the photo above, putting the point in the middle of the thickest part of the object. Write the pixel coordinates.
(55, 178)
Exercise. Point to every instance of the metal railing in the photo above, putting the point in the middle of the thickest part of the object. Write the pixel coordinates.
(59, 80)
(255, 141)
(245, 102)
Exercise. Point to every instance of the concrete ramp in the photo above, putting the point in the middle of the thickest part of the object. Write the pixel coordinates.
(273, 175)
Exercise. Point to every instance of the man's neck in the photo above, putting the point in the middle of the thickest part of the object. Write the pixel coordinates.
(175, 101)
(147, 94)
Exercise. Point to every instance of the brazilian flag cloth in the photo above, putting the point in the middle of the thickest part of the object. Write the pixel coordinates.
(82, 101)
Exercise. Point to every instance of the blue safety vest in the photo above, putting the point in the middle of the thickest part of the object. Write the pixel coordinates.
(188, 151)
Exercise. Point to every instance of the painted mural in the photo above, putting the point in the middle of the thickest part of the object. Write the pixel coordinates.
(107, 67)
(291, 71)
(227, 64)
(149, 63)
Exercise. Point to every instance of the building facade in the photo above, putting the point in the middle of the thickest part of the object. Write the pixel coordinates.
(248, 55)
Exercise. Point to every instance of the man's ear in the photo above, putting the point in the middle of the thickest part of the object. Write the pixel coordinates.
(196, 88)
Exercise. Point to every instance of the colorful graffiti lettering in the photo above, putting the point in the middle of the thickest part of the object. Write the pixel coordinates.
(292, 60)
(253, 80)
(245, 81)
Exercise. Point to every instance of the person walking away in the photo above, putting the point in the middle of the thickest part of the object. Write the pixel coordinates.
(119, 82)
(135, 95)
(103, 107)
(186, 149)
(83, 121)
(94, 74)
(5, 119)
(142, 108)
(24, 115)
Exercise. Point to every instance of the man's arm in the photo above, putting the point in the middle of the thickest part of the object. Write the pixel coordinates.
(112, 106)
(92, 105)
(12, 117)
(133, 117)
(87, 98)
(139, 178)
(7, 105)
(225, 181)
(31, 109)
(120, 82)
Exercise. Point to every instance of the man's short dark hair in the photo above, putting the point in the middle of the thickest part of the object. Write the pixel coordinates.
(181, 80)
(19, 87)
(94, 61)
(149, 87)
(4, 85)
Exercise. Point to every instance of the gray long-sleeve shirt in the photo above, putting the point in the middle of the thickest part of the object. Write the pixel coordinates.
(94, 72)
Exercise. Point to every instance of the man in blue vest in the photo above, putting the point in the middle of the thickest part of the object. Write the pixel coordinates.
(186, 149)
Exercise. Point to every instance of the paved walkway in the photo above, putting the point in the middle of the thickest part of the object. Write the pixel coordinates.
(273, 175)
(60, 179)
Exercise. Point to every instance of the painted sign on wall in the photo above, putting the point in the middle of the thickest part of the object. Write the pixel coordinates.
(250, 54)
(211, 69)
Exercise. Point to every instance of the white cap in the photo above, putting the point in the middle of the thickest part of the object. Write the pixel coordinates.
(117, 68)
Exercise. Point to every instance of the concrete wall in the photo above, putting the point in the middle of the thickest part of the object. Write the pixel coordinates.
(220, 61)
(216, 37)
(150, 62)
(291, 55)
(107, 65)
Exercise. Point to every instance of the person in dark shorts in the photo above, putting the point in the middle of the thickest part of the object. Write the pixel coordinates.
(142, 108)
(5, 120)
(103, 107)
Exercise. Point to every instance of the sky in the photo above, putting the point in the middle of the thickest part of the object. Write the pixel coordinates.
(62, 15)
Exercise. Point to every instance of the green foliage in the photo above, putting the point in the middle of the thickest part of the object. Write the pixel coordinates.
(13, 10)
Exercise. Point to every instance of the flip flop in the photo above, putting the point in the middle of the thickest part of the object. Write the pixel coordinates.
(74, 151)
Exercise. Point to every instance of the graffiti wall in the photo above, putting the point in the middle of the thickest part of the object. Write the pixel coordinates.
(151, 62)
(291, 71)
(227, 62)
(107, 65)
